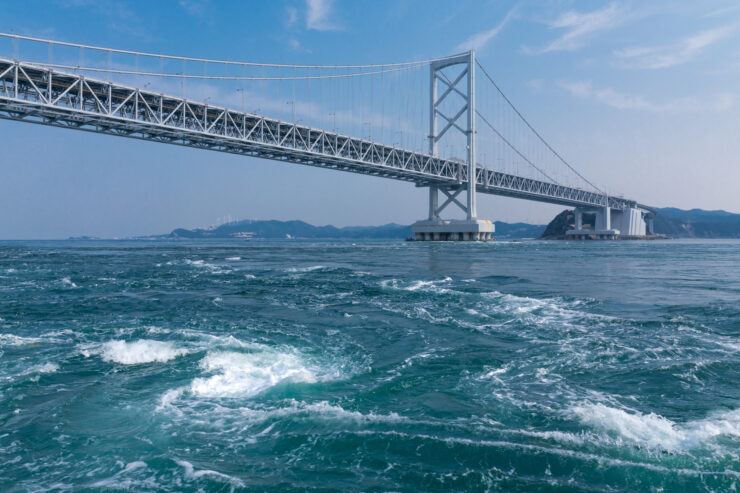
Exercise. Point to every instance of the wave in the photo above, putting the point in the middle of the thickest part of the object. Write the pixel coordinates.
(233, 259)
(139, 352)
(45, 368)
(430, 286)
(14, 340)
(202, 264)
(191, 473)
(259, 413)
(119, 481)
(248, 374)
(68, 282)
(657, 432)
(310, 268)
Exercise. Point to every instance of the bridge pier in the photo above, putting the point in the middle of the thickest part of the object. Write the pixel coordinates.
(610, 223)
(453, 230)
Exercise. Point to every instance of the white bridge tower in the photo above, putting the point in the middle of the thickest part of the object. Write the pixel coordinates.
(460, 119)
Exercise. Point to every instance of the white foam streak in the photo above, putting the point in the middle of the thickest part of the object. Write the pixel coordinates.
(563, 452)
(116, 482)
(310, 268)
(330, 410)
(191, 473)
(45, 368)
(14, 340)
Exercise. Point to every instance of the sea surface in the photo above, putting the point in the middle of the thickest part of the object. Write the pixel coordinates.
(369, 366)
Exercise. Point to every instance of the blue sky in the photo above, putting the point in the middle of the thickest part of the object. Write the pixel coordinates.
(642, 97)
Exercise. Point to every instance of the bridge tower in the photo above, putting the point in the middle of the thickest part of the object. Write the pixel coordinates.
(449, 118)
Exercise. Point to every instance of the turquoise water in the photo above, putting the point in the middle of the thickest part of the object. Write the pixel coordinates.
(374, 366)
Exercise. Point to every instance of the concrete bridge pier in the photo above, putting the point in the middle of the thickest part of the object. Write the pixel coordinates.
(435, 228)
(610, 223)
(649, 222)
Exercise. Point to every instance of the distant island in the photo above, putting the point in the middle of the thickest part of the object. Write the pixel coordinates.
(676, 223)
(671, 222)
(299, 229)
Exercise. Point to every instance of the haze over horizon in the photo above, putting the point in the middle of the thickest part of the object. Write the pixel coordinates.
(642, 99)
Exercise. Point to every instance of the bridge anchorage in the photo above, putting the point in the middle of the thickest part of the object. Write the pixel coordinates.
(77, 97)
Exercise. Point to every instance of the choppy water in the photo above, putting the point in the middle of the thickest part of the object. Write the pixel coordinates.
(274, 366)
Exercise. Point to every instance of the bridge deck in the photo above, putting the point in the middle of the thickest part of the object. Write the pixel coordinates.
(33, 93)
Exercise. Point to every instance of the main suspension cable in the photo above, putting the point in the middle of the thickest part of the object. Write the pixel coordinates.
(226, 77)
(207, 60)
(533, 130)
(515, 149)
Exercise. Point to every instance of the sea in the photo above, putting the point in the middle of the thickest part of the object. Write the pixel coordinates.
(379, 366)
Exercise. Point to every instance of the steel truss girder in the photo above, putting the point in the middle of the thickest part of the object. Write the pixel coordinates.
(37, 94)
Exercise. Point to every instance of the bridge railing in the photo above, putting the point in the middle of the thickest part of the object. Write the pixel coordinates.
(40, 94)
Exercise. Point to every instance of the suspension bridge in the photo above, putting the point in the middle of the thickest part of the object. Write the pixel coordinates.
(435, 129)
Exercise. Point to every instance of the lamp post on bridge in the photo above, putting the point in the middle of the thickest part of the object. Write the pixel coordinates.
(292, 110)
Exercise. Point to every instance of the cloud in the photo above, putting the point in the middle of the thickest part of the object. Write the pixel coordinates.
(673, 54)
(116, 15)
(722, 11)
(479, 40)
(296, 45)
(536, 84)
(579, 27)
(292, 16)
(318, 16)
(193, 7)
(623, 101)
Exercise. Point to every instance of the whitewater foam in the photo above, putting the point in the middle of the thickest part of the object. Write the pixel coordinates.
(202, 264)
(425, 286)
(140, 351)
(655, 431)
(248, 374)
(68, 282)
(45, 368)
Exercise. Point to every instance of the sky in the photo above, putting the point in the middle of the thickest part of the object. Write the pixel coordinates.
(641, 97)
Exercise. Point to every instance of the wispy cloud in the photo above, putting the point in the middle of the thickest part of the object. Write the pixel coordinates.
(674, 54)
(292, 16)
(579, 27)
(195, 8)
(319, 15)
(536, 84)
(118, 16)
(479, 40)
(624, 101)
(722, 11)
